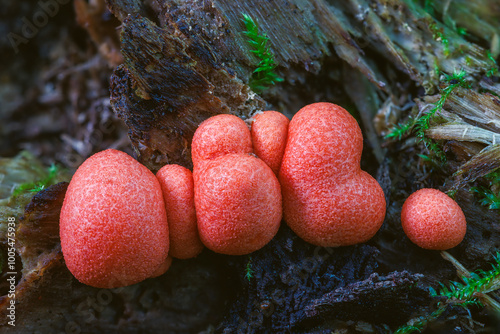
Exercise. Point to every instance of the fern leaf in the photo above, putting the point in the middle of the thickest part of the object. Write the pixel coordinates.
(264, 75)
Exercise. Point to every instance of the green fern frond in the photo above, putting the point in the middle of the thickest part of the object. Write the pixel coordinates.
(264, 75)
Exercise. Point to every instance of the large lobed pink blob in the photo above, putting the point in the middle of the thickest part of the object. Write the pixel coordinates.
(331, 214)
(325, 141)
(219, 135)
(178, 193)
(327, 199)
(238, 204)
(432, 220)
(113, 224)
(269, 132)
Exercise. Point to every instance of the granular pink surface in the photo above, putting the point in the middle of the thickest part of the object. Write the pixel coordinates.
(178, 193)
(432, 220)
(269, 134)
(113, 224)
(220, 135)
(238, 204)
(327, 199)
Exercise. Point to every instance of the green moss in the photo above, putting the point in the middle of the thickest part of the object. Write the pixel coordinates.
(39, 185)
(429, 6)
(264, 75)
(468, 61)
(23, 169)
(437, 70)
(462, 31)
(421, 124)
(489, 195)
(438, 35)
(475, 286)
(248, 270)
(493, 70)
(452, 193)
(400, 130)
(419, 324)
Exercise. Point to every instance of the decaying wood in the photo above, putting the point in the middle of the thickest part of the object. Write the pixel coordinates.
(181, 62)
(480, 165)
(390, 297)
(464, 132)
(297, 287)
(186, 60)
(191, 67)
(164, 91)
(472, 118)
(38, 248)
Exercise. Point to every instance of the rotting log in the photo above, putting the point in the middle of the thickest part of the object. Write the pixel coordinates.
(184, 61)
(187, 60)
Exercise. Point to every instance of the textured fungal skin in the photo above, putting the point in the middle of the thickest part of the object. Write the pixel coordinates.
(432, 220)
(220, 135)
(178, 193)
(113, 224)
(327, 199)
(238, 204)
(324, 141)
(269, 132)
